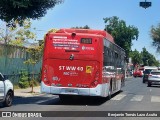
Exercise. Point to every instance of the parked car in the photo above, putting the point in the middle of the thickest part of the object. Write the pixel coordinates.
(154, 77)
(6, 91)
(138, 73)
(147, 71)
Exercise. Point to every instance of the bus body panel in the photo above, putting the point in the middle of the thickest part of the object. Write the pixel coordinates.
(71, 73)
(81, 62)
(99, 90)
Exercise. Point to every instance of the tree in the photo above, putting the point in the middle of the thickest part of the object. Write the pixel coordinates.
(16, 35)
(155, 35)
(25, 9)
(136, 57)
(35, 55)
(148, 59)
(85, 27)
(122, 34)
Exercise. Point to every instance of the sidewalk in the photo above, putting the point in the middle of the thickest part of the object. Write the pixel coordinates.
(27, 92)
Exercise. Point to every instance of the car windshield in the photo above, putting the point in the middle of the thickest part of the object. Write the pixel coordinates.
(147, 71)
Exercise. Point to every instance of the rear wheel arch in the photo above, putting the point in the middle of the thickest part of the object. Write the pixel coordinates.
(11, 92)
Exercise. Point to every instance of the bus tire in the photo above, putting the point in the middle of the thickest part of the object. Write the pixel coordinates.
(122, 82)
(110, 91)
(64, 97)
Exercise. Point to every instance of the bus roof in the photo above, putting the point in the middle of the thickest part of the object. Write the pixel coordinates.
(87, 31)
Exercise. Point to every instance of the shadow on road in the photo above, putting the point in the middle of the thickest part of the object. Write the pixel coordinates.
(80, 100)
(55, 100)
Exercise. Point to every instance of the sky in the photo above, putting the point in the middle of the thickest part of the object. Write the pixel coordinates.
(79, 13)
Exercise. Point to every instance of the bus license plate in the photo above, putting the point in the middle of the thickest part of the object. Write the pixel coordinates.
(72, 91)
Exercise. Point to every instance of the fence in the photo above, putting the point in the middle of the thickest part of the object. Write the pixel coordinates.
(12, 62)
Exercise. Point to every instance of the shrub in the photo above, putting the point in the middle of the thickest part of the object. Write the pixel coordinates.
(23, 81)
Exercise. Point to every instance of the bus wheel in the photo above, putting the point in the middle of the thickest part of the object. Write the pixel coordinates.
(64, 97)
(122, 83)
(109, 93)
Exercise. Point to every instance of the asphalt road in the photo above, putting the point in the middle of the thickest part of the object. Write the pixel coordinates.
(135, 96)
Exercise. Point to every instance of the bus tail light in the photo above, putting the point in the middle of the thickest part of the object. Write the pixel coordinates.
(96, 79)
(46, 81)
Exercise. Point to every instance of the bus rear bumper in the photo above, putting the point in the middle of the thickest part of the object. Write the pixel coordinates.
(99, 90)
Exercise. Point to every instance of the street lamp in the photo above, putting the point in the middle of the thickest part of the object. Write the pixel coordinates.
(145, 4)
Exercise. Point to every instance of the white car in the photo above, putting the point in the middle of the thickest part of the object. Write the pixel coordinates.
(6, 91)
(154, 77)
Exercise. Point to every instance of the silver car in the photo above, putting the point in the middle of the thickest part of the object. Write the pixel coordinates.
(154, 78)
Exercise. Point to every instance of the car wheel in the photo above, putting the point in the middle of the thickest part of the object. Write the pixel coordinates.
(149, 84)
(8, 99)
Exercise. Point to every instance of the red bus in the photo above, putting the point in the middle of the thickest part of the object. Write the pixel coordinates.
(82, 62)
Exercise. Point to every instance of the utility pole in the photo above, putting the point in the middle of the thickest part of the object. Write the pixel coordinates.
(5, 48)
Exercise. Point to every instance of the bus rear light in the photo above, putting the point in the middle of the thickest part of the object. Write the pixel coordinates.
(94, 83)
(45, 79)
(44, 71)
(96, 79)
(97, 76)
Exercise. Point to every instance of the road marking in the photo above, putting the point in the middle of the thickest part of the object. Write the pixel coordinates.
(137, 98)
(155, 99)
(42, 101)
(118, 97)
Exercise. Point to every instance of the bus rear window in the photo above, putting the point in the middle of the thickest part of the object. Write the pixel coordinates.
(86, 40)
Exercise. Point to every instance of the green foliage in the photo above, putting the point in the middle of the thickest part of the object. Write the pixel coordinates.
(85, 27)
(16, 35)
(34, 58)
(23, 81)
(136, 57)
(16, 86)
(122, 34)
(145, 58)
(148, 58)
(24, 9)
(35, 55)
(155, 35)
(33, 82)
